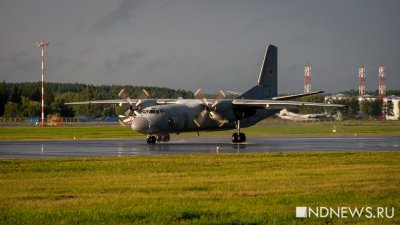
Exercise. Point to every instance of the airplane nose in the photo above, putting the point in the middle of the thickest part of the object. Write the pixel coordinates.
(140, 124)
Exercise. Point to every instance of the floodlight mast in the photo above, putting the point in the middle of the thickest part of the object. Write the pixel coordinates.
(41, 44)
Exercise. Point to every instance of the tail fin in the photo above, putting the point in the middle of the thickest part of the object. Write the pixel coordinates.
(267, 85)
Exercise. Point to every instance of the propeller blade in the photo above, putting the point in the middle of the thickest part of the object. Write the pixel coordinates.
(138, 102)
(127, 112)
(203, 113)
(221, 95)
(129, 100)
(200, 118)
(205, 101)
(214, 115)
(122, 93)
(198, 94)
(196, 123)
(222, 122)
(145, 93)
(136, 112)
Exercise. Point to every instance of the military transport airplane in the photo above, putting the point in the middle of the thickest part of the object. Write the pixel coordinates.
(158, 118)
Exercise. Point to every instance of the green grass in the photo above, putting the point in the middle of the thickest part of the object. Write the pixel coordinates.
(67, 133)
(267, 128)
(262, 188)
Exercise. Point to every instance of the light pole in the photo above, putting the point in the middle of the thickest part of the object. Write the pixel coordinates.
(41, 44)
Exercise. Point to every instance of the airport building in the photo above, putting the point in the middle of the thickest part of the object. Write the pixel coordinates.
(394, 102)
(388, 102)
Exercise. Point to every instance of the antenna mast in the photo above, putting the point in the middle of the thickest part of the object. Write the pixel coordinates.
(382, 85)
(41, 44)
(361, 80)
(307, 78)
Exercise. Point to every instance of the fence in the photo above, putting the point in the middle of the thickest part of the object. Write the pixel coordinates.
(66, 121)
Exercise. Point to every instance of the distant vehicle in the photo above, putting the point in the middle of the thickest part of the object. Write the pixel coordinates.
(55, 120)
(158, 118)
(287, 115)
(124, 120)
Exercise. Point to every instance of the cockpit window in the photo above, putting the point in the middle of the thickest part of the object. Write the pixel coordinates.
(151, 111)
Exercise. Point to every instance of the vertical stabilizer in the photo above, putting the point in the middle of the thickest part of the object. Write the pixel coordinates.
(267, 84)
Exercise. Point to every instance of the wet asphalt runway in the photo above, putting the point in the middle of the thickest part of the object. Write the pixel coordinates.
(81, 148)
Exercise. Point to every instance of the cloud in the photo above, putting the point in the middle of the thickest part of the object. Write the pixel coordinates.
(124, 12)
(123, 62)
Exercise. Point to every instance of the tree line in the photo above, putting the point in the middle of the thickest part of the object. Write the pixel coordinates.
(353, 108)
(24, 99)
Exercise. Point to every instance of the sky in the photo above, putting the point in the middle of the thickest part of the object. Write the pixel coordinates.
(191, 44)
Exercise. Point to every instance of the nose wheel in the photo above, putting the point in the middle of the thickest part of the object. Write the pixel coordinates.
(151, 139)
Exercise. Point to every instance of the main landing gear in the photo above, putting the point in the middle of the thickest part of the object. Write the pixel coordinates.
(238, 137)
(150, 139)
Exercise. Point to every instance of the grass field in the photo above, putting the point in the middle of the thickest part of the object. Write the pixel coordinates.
(267, 128)
(261, 188)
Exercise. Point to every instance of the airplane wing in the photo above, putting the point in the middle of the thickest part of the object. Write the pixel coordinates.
(274, 104)
(111, 101)
(288, 97)
(166, 101)
(124, 101)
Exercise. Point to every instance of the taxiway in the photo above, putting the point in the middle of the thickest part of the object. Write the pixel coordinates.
(90, 148)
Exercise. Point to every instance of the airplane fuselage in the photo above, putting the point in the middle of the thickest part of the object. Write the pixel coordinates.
(179, 117)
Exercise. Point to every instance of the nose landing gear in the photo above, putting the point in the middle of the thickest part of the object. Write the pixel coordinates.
(151, 139)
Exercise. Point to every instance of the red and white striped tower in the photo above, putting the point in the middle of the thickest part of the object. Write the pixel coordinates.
(41, 44)
(307, 78)
(382, 85)
(361, 80)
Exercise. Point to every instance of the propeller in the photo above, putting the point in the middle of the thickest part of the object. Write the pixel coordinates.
(135, 108)
(209, 109)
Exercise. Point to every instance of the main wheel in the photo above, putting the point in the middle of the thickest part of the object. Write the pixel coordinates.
(151, 140)
(163, 138)
(242, 137)
(235, 138)
(238, 138)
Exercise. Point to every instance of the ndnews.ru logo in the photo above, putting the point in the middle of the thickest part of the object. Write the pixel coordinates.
(345, 212)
